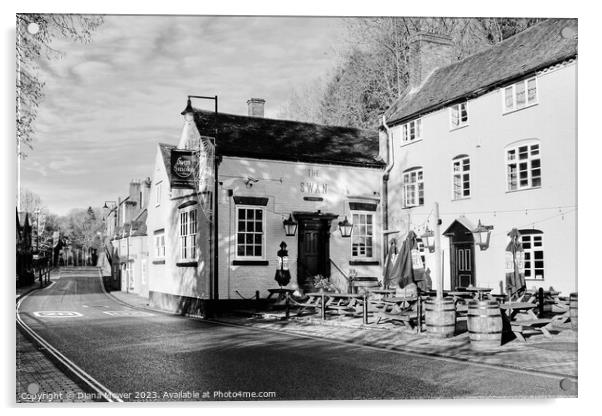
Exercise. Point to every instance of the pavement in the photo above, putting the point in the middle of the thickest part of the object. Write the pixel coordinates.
(38, 379)
(141, 354)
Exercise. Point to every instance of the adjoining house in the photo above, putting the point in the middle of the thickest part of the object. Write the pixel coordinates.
(126, 240)
(267, 172)
(491, 138)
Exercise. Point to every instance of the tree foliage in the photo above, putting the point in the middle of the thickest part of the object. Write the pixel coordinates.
(372, 72)
(30, 49)
(81, 227)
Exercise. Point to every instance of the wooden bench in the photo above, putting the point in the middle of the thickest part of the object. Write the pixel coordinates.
(531, 327)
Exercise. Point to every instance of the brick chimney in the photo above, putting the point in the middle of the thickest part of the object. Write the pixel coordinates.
(428, 51)
(256, 107)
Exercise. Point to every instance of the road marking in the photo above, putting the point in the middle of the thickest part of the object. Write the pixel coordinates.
(104, 392)
(57, 314)
(128, 313)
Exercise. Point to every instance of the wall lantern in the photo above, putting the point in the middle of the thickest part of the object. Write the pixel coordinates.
(428, 239)
(482, 234)
(290, 226)
(345, 227)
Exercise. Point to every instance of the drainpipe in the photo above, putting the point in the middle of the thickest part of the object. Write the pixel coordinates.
(385, 189)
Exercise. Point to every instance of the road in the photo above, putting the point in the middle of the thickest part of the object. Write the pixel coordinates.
(145, 355)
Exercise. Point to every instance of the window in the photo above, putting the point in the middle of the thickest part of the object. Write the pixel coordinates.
(460, 177)
(249, 233)
(520, 95)
(158, 193)
(362, 235)
(188, 230)
(532, 241)
(413, 188)
(160, 244)
(458, 115)
(412, 131)
(523, 166)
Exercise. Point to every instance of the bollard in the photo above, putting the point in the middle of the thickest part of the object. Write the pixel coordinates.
(323, 307)
(288, 308)
(419, 311)
(365, 310)
(540, 301)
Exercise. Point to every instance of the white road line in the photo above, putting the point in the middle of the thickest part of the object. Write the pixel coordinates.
(107, 394)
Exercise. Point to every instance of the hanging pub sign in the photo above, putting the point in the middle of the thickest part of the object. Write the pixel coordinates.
(182, 169)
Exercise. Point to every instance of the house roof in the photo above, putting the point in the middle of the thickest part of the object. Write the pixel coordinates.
(165, 150)
(533, 49)
(264, 138)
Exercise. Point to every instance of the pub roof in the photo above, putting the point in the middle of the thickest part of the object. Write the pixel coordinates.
(538, 47)
(271, 139)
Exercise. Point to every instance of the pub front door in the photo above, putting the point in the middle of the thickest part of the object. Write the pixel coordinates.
(313, 248)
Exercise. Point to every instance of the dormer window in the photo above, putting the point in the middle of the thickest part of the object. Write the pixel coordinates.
(519, 95)
(458, 115)
(412, 131)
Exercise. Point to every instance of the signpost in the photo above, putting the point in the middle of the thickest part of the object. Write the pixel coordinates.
(183, 165)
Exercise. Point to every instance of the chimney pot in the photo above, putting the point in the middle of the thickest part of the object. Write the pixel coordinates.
(256, 106)
(428, 51)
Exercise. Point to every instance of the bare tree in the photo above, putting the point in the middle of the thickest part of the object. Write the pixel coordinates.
(35, 34)
(372, 72)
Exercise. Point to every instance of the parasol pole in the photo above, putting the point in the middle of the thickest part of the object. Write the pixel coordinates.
(438, 273)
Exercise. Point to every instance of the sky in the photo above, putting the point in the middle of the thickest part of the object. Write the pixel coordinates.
(108, 103)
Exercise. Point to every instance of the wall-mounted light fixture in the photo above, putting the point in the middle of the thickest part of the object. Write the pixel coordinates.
(290, 226)
(345, 227)
(481, 235)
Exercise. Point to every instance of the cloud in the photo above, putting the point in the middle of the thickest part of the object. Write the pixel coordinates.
(107, 103)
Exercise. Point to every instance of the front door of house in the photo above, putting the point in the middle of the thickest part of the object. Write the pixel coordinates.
(461, 254)
(462, 265)
(313, 254)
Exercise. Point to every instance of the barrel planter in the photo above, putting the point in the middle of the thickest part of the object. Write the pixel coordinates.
(573, 310)
(440, 317)
(484, 324)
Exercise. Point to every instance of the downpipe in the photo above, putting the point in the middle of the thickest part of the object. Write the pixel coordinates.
(385, 189)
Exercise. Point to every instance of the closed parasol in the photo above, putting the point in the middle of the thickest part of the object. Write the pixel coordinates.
(515, 264)
(409, 267)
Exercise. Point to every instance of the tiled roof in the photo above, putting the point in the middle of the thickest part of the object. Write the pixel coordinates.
(539, 46)
(264, 138)
(165, 150)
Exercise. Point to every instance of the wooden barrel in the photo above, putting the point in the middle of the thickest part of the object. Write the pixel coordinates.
(440, 317)
(484, 324)
(573, 310)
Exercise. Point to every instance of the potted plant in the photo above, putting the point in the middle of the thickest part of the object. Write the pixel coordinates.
(323, 284)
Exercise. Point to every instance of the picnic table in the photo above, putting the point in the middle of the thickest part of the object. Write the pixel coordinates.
(399, 309)
(281, 292)
(382, 292)
(478, 292)
(519, 307)
(342, 303)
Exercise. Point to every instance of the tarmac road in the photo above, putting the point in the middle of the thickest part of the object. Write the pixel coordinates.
(143, 355)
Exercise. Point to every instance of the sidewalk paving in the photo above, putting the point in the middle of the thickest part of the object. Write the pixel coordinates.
(38, 379)
(20, 291)
(556, 355)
